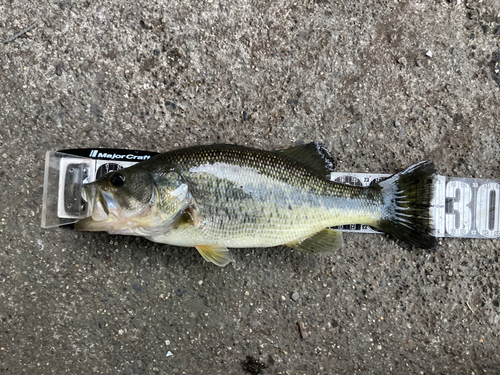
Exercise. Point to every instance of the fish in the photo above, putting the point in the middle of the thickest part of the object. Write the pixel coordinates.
(217, 197)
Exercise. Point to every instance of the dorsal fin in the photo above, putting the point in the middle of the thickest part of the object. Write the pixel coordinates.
(313, 155)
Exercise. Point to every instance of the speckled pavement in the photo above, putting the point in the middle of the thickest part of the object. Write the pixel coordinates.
(383, 84)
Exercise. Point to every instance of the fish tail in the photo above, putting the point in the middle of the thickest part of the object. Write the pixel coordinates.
(406, 212)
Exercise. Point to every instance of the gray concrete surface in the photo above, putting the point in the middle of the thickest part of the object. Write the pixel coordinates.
(167, 74)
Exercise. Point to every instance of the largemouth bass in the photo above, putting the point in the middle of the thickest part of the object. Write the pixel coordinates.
(224, 196)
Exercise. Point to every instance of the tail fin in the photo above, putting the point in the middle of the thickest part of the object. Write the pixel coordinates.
(407, 196)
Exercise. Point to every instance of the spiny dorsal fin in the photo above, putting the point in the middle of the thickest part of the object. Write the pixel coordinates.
(325, 241)
(313, 155)
(216, 254)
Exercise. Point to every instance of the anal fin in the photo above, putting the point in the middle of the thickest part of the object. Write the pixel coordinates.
(219, 255)
(325, 241)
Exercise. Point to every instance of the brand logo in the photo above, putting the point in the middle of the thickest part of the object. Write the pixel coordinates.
(113, 156)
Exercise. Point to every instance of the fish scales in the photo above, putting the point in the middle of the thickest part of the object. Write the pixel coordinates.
(259, 198)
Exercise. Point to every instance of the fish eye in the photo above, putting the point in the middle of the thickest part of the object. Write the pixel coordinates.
(117, 180)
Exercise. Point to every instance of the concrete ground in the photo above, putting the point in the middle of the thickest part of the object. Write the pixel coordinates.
(355, 75)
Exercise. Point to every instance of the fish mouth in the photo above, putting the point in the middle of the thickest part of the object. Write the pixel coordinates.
(105, 213)
(103, 210)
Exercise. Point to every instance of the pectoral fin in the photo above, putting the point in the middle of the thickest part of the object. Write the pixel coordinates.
(325, 241)
(218, 255)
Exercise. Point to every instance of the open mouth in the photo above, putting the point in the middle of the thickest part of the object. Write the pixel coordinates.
(101, 205)
(106, 214)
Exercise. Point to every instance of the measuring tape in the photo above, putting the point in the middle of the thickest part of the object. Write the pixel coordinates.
(461, 207)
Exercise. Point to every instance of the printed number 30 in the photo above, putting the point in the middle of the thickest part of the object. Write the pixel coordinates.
(458, 223)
